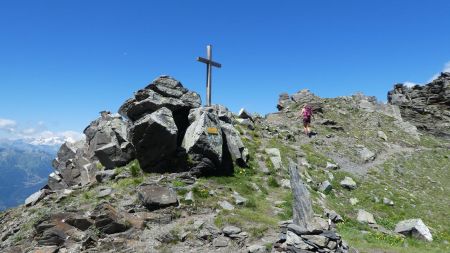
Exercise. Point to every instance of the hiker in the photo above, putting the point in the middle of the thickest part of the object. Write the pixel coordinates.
(307, 113)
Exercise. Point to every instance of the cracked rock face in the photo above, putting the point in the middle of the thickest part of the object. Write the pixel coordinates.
(155, 139)
(72, 167)
(107, 138)
(427, 107)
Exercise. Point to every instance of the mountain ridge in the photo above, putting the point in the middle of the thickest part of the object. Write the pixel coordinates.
(373, 178)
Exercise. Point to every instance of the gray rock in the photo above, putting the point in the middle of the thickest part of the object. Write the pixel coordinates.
(365, 217)
(382, 135)
(154, 137)
(51, 230)
(293, 239)
(426, 107)
(108, 220)
(275, 157)
(55, 181)
(35, 197)
(105, 175)
(239, 200)
(284, 101)
(223, 113)
(231, 230)
(247, 123)
(243, 114)
(318, 240)
(104, 192)
(226, 205)
(203, 142)
(208, 232)
(162, 92)
(256, 249)
(348, 183)
(333, 216)
(365, 154)
(388, 202)
(72, 166)
(285, 183)
(325, 186)
(415, 228)
(79, 222)
(107, 140)
(302, 207)
(331, 166)
(221, 242)
(238, 151)
(155, 197)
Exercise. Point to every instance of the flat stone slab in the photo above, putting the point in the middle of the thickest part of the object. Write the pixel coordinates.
(155, 197)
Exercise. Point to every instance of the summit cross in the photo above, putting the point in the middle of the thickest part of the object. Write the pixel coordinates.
(209, 64)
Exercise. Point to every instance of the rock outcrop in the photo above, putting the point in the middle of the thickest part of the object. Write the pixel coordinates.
(165, 92)
(301, 98)
(427, 107)
(73, 166)
(107, 140)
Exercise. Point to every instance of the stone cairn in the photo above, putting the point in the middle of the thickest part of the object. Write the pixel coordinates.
(306, 233)
(164, 127)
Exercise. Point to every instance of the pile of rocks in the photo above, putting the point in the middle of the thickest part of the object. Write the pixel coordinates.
(427, 107)
(295, 239)
(165, 129)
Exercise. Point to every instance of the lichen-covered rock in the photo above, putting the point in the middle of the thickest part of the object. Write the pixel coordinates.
(204, 141)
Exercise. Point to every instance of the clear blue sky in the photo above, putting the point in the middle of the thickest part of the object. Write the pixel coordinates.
(61, 61)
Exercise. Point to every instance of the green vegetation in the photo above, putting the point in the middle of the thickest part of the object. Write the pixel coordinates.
(314, 157)
(418, 184)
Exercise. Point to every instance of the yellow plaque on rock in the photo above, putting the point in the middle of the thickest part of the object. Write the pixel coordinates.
(212, 130)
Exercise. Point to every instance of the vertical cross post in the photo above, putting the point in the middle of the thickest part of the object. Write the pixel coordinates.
(208, 75)
(209, 64)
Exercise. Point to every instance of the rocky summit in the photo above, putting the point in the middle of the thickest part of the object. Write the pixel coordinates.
(166, 174)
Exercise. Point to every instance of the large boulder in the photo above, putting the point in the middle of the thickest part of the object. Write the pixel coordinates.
(107, 138)
(427, 107)
(162, 92)
(166, 92)
(204, 141)
(154, 137)
(415, 228)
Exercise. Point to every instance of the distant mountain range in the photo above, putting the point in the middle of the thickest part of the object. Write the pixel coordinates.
(24, 168)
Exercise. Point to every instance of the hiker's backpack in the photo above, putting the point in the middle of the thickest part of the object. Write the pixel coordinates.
(307, 113)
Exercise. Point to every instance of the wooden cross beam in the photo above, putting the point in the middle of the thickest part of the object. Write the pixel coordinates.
(209, 64)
